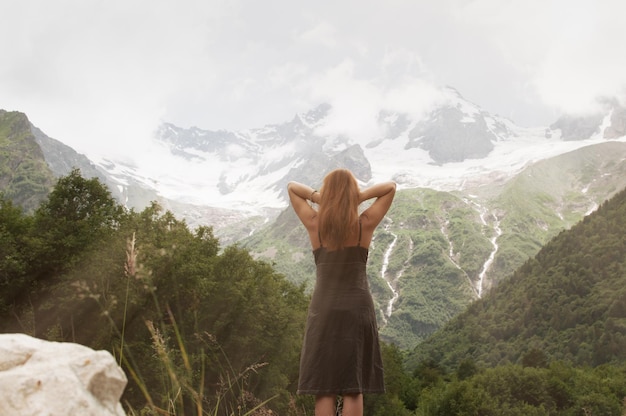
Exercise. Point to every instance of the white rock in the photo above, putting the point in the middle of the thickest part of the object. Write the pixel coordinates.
(45, 378)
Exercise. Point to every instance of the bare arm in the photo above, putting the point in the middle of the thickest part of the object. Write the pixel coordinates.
(372, 216)
(299, 194)
(377, 191)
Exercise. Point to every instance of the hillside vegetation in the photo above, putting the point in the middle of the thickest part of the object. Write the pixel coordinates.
(193, 324)
(550, 340)
(548, 197)
(443, 248)
(441, 243)
(204, 329)
(200, 327)
(567, 303)
(25, 178)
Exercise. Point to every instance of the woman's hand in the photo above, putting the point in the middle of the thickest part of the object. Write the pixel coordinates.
(315, 197)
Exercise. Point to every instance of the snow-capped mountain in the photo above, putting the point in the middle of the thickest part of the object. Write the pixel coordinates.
(247, 171)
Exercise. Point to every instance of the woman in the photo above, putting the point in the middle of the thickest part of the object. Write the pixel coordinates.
(341, 353)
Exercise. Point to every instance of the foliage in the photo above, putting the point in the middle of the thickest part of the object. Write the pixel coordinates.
(77, 215)
(25, 178)
(198, 326)
(567, 303)
(397, 385)
(546, 198)
(201, 326)
(436, 281)
(444, 239)
(454, 228)
(513, 390)
(14, 225)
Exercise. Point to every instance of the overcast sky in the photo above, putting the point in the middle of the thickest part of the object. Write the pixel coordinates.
(90, 72)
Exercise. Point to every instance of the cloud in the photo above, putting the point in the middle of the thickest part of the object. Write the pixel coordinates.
(101, 76)
(323, 34)
(568, 51)
(357, 102)
(582, 66)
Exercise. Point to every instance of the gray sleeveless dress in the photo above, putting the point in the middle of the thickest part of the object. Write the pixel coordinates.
(341, 351)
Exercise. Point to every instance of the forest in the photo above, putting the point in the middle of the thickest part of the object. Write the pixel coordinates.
(204, 329)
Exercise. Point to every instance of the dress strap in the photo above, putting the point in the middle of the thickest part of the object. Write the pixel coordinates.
(319, 237)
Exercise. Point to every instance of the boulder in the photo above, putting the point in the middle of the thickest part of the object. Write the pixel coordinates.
(41, 378)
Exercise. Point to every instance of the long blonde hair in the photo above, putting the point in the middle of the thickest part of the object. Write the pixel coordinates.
(339, 208)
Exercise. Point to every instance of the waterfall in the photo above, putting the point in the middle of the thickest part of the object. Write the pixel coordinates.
(494, 242)
(390, 282)
(492, 255)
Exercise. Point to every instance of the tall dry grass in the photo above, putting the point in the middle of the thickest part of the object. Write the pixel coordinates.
(230, 397)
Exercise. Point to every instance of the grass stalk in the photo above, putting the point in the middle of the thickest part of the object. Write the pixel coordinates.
(129, 271)
(230, 398)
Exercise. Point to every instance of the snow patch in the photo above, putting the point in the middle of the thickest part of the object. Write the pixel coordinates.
(245, 177)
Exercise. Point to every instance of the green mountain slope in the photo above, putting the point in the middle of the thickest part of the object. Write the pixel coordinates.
(549, 196)
(25, 178)
(444, 249)
(567, 303)
(434, 282)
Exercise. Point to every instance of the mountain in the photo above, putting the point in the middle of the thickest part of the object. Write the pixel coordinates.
(31, 162)
(243, 174)
(439, 251)
(609, 122)
(25, 178)
(455, 142)
(477, 194)
(458, 131)
(568, 303)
